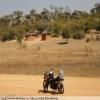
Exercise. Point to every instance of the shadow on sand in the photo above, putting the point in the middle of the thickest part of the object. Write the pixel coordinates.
(62, 43)
(50, 92)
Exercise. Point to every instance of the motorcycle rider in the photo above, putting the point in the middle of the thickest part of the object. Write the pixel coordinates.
(54, 83)
(60, 76)
(50, 75)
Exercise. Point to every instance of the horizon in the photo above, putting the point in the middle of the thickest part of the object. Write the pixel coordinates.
(8, 6)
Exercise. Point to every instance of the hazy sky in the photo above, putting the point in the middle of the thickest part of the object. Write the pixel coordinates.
(8, 6)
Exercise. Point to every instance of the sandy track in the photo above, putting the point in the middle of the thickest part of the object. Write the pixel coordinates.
(24, 85)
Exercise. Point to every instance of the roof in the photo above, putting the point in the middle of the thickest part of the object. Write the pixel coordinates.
(35, 31)
(45, 32)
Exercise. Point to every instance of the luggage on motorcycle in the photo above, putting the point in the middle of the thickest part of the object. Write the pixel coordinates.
(53, 85)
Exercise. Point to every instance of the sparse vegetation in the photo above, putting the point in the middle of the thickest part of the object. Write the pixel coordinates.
(77, 58)
(19, 39)
(24, 45)
(79, 35)
(52, 20)
(97, 38)
(8, 37)
(87, 39)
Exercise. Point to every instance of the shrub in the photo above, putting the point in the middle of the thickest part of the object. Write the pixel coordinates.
(88, 40)
(79, 35)
(66, 33)
(55, 35)
(19, 39)
(24, 46)
(97, 38)
(97, 26)
(55, 29)
(7, 37)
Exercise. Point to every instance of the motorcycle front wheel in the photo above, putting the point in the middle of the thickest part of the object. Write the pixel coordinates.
(61, 88)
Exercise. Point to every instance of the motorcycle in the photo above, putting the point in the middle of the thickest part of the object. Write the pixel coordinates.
(55, 84)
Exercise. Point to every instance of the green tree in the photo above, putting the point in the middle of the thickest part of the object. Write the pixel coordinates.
(33, 12)
(20, 38)
(18, 14)
(56, 28)
(45, 14)
(96, 9)
(66, 33)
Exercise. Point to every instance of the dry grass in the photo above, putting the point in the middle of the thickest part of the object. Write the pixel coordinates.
(77, 58)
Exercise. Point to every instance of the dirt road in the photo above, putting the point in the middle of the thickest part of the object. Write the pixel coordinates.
(24, 85)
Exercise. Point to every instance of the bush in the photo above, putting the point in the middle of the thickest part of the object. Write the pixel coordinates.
(79, 35)
(97, 38)
(55, 29)
(88, 40)
(20, 38)
(66, 33)
(7, 37)
(55, 35)
(97, 26)
(24, 46)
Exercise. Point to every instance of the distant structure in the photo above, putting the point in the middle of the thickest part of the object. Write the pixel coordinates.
(44, 35)
(31, 36)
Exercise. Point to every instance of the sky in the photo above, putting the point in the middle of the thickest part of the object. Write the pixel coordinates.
(8, 6)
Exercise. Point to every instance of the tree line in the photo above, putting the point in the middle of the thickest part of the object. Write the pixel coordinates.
(57, 20)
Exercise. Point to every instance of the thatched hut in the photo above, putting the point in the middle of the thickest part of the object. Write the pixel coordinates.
(31, 36)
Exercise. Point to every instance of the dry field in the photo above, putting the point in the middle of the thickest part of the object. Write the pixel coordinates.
(77, 58)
